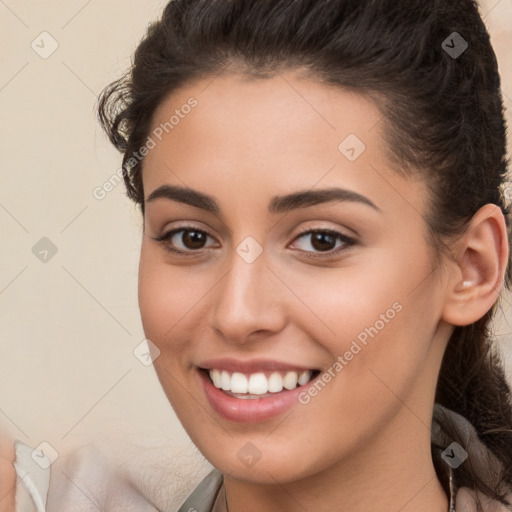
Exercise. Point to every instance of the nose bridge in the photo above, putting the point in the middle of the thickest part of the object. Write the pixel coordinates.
(246, 299)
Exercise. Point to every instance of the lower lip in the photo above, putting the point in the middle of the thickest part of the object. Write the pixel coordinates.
(249, 410)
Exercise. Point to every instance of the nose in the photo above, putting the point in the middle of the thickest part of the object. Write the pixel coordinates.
(249, 301)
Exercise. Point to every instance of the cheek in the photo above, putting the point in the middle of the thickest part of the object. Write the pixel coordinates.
(168, 297)
(163, 301)
(338, 305)
(379, 317)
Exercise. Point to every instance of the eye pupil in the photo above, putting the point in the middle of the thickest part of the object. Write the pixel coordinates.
(193, 239)
(322, 237)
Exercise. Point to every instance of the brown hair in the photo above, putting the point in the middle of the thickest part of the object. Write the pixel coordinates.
(443, 118)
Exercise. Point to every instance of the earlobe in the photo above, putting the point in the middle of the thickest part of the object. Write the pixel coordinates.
(477, 275)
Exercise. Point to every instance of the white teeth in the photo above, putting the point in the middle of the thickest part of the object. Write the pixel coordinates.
(216, 377)
(225, 381)
(258, 383)
(304, 377)
(238, 383)
(290, 380)
(275, 383)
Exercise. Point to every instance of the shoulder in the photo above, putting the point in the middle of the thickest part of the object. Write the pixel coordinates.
(206, 496)
(80, 480)
(461, 458)
(124, 476)
(468, 501)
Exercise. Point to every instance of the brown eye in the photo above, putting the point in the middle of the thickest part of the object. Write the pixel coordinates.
(184, 240)
(324, 241)
(193, 239)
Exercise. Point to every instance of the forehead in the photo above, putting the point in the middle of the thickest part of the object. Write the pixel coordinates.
(273, 134)
(278, 109)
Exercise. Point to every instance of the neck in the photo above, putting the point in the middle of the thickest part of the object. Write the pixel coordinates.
(394, 473)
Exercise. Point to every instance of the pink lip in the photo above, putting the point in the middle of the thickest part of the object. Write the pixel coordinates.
(250, 366)
(249, 410)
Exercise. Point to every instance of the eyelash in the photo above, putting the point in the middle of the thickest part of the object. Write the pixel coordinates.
(347, 241)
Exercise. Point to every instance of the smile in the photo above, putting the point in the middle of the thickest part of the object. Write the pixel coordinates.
(252, 391)
(259, 384)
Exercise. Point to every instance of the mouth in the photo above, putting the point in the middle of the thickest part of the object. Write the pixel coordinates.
(259, 384)
(253, 390)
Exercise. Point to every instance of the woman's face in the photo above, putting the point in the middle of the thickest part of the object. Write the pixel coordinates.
(256, 301)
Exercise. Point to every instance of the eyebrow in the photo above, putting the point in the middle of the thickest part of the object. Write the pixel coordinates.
(277, 205)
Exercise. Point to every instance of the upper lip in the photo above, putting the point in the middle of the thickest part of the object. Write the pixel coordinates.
(250, 365)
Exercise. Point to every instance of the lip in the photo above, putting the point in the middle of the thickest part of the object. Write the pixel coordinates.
(249, 410)
(250, 366)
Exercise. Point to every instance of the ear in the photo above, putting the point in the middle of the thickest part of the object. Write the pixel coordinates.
(478, 271)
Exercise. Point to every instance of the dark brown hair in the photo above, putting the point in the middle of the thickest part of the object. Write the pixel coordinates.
(442, 118)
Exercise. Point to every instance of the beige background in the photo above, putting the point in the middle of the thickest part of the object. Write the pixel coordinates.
(69, 326)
